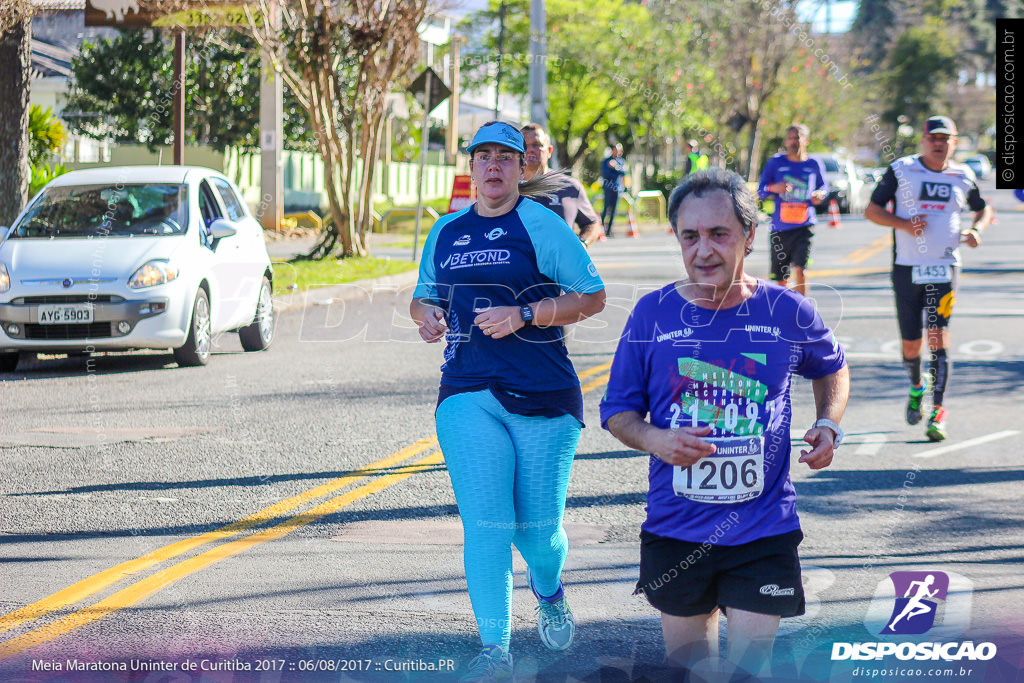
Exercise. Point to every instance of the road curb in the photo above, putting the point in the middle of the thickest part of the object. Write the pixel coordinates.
(347, 291)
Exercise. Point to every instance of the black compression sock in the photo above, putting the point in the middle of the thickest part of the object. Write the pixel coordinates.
(940, 368)
(913, 366)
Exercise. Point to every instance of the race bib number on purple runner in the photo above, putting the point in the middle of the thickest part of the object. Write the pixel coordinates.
(733, 474)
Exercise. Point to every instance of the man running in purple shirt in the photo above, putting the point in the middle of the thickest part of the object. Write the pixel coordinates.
(797, 183)
(710, 360)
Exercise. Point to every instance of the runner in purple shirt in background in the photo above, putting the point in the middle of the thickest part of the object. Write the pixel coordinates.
(798, 184)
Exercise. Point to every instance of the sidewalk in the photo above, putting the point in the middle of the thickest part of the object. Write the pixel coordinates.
(288, 247)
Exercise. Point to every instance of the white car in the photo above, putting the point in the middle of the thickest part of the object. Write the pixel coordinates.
(846, 186)
(155, 257)
(980, 164)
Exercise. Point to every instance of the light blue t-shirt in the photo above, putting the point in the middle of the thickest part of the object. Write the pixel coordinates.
(471, 262)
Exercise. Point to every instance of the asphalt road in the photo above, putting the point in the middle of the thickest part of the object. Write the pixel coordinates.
(287, 515)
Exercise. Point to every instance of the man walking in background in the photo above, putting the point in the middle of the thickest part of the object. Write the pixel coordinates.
(613, 173)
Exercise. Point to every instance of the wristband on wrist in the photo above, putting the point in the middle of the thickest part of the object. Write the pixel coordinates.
(836, 429)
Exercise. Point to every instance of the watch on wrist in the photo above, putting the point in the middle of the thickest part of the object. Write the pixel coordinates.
(836, 429)
(527, 314)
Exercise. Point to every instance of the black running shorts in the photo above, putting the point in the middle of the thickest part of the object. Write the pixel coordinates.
(928, 305)
(686, 579)
(789, 248)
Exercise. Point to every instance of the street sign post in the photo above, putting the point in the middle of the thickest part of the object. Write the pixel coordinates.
(431, 91)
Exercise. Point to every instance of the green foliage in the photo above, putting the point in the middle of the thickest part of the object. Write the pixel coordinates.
(46, 137)
(665, 182)
(302, 274)
(583, 71)
(813, 94)
(43, 173)
(922, 63)
(134, 101)
(46, 134)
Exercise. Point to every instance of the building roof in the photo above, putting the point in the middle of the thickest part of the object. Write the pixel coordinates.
(50, 60)
(59, 5)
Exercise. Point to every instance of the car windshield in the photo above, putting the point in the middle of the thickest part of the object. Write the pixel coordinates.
(831, 165)
(106, 210)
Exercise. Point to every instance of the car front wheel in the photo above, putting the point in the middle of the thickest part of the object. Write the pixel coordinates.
(257, 335)
(196, 350)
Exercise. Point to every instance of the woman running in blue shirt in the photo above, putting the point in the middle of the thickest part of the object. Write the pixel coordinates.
(497, 281)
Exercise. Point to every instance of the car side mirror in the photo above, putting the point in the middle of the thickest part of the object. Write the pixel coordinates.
(3, 231)
(222, 228)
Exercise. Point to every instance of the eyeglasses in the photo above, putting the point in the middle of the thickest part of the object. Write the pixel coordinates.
(500, 157)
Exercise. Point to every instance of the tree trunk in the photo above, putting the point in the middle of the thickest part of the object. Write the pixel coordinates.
(372, 152)
(754, 171)
(15, 72)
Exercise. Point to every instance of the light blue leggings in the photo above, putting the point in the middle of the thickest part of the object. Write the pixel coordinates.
(510, 474)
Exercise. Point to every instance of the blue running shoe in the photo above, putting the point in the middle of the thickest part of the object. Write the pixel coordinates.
(555, 622)
(492, 664)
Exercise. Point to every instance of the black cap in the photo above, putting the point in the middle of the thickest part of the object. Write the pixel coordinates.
(940, 124)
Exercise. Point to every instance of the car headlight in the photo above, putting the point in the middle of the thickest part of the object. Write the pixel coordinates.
(152, 274)
(5, 278)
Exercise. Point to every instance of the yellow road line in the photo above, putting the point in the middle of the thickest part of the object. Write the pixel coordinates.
(596, 383)
(86, 587)
(590, 372)
(864, 253)
(846, 271)
(154, 583)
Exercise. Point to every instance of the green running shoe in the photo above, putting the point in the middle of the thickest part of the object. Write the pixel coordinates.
(915, 401)
(937, 425)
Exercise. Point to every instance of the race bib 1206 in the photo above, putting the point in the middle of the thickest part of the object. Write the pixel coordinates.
(733, 474)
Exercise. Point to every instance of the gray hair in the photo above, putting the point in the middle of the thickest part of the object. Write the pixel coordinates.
(546, 185)
(714, 179)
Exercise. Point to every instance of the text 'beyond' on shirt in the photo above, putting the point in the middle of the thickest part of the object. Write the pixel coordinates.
(472, 262)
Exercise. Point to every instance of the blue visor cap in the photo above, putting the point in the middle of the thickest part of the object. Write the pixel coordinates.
(500, 133)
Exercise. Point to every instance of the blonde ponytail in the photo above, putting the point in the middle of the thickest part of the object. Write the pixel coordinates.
(546, 185)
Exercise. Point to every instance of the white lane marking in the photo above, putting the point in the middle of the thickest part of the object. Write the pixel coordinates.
(988, 347)
(893, 347)
(966, 444)
(871, 444)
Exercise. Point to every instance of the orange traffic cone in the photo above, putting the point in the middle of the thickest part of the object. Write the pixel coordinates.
(833, 215)
(632, 232)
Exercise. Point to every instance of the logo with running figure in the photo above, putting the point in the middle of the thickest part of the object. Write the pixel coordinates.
(914, 612)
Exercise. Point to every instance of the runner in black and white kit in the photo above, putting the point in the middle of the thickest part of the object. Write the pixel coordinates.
(929, 192)
(570, 202)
